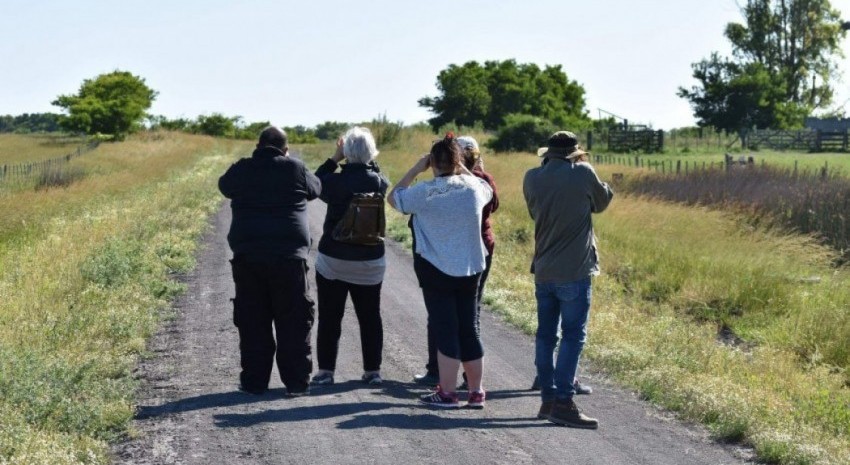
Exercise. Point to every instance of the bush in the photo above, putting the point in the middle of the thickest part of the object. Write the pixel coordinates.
(522, 133)
(217, 124)
(385, 131)
(330, 130)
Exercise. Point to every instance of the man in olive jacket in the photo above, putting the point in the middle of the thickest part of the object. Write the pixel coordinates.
(561, 196)
(270, 238)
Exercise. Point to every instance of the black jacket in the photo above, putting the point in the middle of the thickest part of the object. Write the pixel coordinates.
(337, 191)
(269, 194)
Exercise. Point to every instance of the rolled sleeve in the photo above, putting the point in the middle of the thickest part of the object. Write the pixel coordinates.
(409, 200)
(400, 198)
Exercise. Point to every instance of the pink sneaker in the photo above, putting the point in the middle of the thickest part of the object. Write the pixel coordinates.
(476, 399)
(440, 398)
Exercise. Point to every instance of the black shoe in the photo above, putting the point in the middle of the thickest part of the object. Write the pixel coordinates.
(428, 379)
(256, 392)
(464, 386)
(301, 393)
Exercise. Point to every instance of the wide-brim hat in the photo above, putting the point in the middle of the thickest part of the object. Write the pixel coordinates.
(562, 144)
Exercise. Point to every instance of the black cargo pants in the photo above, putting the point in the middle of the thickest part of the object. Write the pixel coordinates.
(272, 292)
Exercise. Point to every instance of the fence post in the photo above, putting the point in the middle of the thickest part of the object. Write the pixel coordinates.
(589, 140)
(678, 166)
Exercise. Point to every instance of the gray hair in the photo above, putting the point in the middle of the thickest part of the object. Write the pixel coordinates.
(359, 145)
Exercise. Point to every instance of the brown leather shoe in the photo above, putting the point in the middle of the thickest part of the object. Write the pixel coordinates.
(545, 409)
(566, 413)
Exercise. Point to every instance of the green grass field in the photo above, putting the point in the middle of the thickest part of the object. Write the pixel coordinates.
(86, 273)
(724, 323)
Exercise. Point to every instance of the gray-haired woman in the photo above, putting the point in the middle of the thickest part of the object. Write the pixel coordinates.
(344, 269)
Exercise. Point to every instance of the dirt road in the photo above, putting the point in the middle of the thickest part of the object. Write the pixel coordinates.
(191, 413)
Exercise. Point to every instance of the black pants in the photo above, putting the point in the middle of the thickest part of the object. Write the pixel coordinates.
(431, 367)
(273, 292)
(367, 305)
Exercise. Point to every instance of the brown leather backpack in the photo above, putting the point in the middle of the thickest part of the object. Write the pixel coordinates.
(364, 222)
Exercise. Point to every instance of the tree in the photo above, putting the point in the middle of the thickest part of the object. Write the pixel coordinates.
(766, 82)
(114, 103)
(472, 93)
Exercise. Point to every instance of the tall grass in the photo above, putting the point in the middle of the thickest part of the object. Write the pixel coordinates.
(28, 148)
(808, 202)
(739, 326)
(85, 274)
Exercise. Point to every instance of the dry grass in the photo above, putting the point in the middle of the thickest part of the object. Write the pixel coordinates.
(28, 148)
(696, 310)
(85, 273)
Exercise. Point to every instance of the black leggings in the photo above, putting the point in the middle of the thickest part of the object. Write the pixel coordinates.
(453, 316)
(431, 366)
(367, 305)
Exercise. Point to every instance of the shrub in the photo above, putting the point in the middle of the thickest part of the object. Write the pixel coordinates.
(386, 132)
(522, 133)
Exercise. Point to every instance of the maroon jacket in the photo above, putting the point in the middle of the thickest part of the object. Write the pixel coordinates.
(486, 227)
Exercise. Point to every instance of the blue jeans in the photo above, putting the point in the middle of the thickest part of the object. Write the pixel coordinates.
(569, 303)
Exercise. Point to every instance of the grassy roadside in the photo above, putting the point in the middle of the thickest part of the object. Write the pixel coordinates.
(85, 274)
(722, 323)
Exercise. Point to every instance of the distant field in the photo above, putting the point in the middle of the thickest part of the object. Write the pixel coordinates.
(812, 161)
(26, 148)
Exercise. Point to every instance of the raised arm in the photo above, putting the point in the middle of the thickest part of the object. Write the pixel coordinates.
(420, 166)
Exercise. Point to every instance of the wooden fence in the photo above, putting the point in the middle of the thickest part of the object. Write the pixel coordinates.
(679, 167)
(805, 139)
(647, 141)
(22, 170)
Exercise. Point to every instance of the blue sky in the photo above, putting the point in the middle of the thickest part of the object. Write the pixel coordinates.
(310, 61)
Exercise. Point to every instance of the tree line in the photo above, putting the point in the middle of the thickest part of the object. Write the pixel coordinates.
(780, 45)
(29, 122)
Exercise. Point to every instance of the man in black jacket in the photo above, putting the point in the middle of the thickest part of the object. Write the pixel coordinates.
(270, 239)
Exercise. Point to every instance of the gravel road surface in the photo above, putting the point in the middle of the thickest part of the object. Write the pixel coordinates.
(191, 413)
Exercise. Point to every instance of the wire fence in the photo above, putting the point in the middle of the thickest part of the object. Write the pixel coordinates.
(27, 170)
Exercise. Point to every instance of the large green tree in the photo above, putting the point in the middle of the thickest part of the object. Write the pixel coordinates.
(782, 67)
(474, 93)
(113, 103)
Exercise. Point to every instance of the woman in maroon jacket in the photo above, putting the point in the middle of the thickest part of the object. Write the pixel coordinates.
(472, 161)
